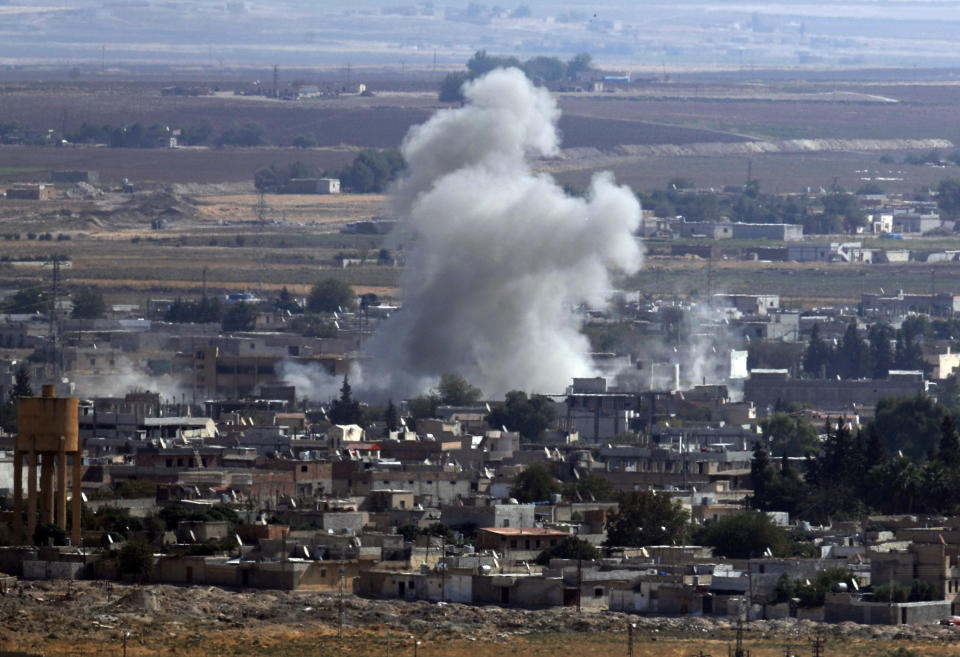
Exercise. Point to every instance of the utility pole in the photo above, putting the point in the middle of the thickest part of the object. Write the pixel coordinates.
(276, 81)
(630, 628)
(710, 280)
(738, 651)
(818, 643)
(340, 612)
(55, 292)
(579, 581)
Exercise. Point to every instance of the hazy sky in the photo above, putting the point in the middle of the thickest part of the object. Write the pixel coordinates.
(621, 35)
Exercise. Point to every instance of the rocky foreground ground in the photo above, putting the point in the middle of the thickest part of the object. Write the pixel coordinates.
(42, 613)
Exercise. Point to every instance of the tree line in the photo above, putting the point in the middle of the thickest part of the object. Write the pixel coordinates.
(538, 69)
(854, 357)
(371, 172)
(833, 212)
(906, 461)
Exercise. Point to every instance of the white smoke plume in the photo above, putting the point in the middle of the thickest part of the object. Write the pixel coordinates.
(310, 381)
(501, 256)
(126, 377)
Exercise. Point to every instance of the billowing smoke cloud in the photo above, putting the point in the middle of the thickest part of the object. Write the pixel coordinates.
(125, 378)
(310, 381)
(501, 256)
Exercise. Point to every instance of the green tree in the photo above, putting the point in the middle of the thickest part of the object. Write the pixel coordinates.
(331, 295)
(422, 407)
(391, 417)
(590, 486)
(789, 436)
(908, 352)
(454, 390)
(569, 548)
(28, 300)
(909, 424)
(240, 316)
(534, 484)
(530, 416)
(8, 407)
(451, 87)
(136, 559)
(818, 356)
(762, 476)
(482, 63)
(22, 387)
(345, 409)
(196, 134)
(948, 197)
(304, 141)
(744, 535)
(88, 304)
(853, 355)
(949, 451)
(48, 534)
(896, 485)
(646, 518)
(579, 63)
(372, 171)
(880, 337)
(869, 189)
(845, 208)
(548, 69)
(286, 303)
(246, 134)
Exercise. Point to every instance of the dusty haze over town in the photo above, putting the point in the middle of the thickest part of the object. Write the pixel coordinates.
(638, 36)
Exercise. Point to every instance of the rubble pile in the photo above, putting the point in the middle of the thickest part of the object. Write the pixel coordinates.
(96, 610)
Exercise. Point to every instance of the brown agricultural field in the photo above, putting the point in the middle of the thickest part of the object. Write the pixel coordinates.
(161, 166)
(113, 246)
(932, 114)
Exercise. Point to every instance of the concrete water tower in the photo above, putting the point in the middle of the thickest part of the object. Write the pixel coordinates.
(47, 433)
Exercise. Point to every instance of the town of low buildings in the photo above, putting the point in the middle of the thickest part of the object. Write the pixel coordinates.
(330, 507)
